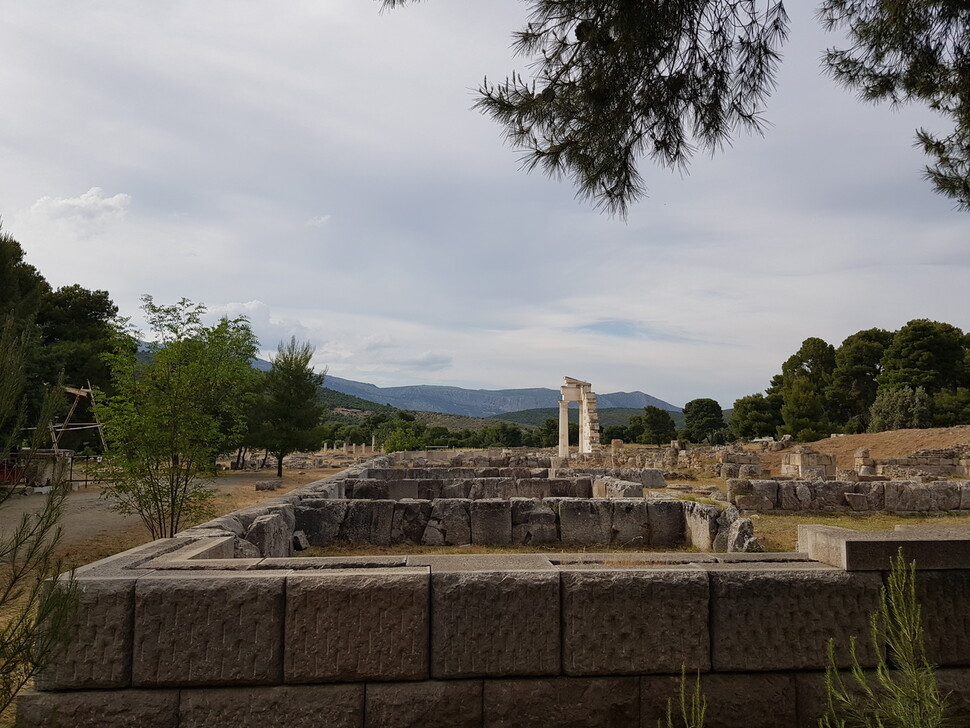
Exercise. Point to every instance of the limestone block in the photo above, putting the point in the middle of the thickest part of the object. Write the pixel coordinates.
(428, 704)
(875, 495)
(320, 520)
(492, 488)
(300, 541)
(631, 522)
(268, 485)
(208, 630)
(491, 521)
(494, 623)
(782, 620)
(571, 487)
(449, 524)
(283, 706)
(454, 489)
(531, 487)
(401, 489)
(857, 501)
(409, 520)
(369, 490)
(285, 510)
(99, 709)
(652, 478)
(533, 521)
(733, 701)
(700, 524)
(666, 523)
(629, 622)
(753, 502)
(750, 470)
(738, 486)
(596, 702)
(585, 521)
(815, 472)
(768, 489)
(964, 496)
(99, 653)
(270, 534)
(357, 624)
(724, 520)
(368, 522)
(945, 597)
(740, 536)
(729, 470)
(242, 549)
(787, 497)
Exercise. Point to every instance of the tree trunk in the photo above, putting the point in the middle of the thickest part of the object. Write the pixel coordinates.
(279, 465)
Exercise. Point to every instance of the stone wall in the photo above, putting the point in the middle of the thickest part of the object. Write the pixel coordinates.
(178, 634)
(897, 496)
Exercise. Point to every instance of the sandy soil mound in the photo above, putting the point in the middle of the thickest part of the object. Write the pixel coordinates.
(893, 444)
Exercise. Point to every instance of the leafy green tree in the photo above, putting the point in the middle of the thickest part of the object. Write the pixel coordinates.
(22, 287)
(900, 409)
(659, 426)
(926, 354)
(756, 415)
(951, 407)
(290, 405)
(912, 50)
(702, 417)
(172, 414)
(614, 82)
(36, 617)
(803, 412)
(854, 380)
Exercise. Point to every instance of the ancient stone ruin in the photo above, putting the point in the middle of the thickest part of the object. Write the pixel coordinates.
(576, 390)
(199, 631)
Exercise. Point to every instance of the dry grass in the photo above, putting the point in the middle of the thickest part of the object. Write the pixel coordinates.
(780, 532)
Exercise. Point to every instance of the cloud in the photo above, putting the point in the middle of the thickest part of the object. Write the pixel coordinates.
(90, 207)
(427, 361)
(319, 221)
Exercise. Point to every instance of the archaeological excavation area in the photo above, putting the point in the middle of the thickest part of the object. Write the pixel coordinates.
(228, 626)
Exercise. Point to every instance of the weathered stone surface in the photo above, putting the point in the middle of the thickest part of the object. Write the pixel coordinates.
(753, 502)
(270, 534)
(369, 490)
(449, 524)
(652, 478)
(242, 549)
(724, 521)
(368, 522)
(944, 596)
(700, 524)
(284, 706)
(782, 620)
(429, 704)
(409, 520)
(320, 520)
(666, 523)
(740, 536)
(492, 488)
(364, 624)
(494, 624)
(562, 703)
(584, 521)
(99, 709)
(733, 701)
(99, 653)
(491, 522)
(628, 622)
(533, 522)
(401, 489)
(857, 501)
(300, 541)
(630, 522)
(768, 489)
(208, 630)
(268, 485)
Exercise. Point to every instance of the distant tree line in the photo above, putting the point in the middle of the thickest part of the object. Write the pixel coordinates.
(918, 376)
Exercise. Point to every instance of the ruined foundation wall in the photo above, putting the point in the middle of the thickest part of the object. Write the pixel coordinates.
(176, 634)
(897, 496)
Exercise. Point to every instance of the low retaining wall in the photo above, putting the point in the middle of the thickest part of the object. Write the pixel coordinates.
(898, 496)
(176, 634)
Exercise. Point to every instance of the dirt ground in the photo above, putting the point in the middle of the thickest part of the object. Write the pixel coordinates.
(894, 444)
(91, 530)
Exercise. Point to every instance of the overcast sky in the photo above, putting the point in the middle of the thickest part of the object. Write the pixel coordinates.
(315, 165)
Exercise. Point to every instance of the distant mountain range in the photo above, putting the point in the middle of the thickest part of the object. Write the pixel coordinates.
(479, 402)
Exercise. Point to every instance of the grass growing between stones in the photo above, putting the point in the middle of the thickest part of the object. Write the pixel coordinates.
(779, 532)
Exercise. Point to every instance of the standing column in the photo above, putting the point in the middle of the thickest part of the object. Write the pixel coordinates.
(583, 427)
(563, 429)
